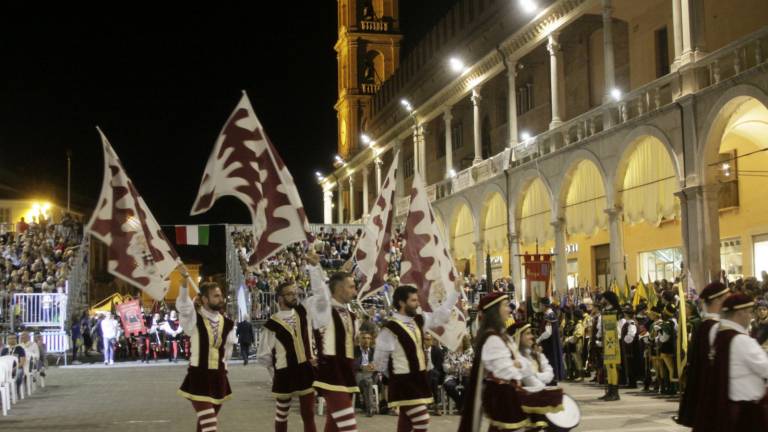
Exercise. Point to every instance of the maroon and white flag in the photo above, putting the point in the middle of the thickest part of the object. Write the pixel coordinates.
(427, 265)
(244, 164)
(373, 247)
(139, 252)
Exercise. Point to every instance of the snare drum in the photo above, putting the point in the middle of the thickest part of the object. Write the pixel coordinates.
(567, 419)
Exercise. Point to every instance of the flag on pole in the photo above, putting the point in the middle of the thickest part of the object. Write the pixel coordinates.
(138, 251)
(192, 235)
(427, 265)
(641, 293)
(682, 331)
(244, 164)
(627, 291)
(371, 253)
(653, 298)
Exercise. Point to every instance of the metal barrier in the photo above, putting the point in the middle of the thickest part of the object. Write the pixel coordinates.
(57, 342)
(39, 310)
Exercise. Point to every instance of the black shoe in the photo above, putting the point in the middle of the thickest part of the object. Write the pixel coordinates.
(613, 394)
(607, 392)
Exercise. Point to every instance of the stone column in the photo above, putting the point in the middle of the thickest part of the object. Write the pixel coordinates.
(351, 198)
(416, 156)
(677, 33)
(618, 271)
(512, 102)
(561, 259)
(478, 125)
(340, 202)
(447, 117)
(365, 192)
(421, 131)
(700, 222)
(378, 163)
(400, 181)
(514, 266)
(479, 259)
(327, 206)
(608, 60)
(692, 20)
(556, 79)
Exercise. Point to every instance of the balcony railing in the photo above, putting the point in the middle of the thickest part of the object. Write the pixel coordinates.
(374, 26)
(370, 88)
(732, 59)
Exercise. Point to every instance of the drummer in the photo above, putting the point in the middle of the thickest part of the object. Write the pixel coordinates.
(535, 398)
(496, 373)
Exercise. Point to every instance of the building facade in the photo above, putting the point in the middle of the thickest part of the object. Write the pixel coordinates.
(629, 138)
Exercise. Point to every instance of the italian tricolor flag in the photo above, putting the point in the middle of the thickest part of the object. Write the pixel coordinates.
(192, 235)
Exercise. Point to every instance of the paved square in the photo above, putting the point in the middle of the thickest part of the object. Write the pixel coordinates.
(132, 397)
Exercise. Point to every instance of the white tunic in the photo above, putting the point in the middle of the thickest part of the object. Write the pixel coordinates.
(747, 365)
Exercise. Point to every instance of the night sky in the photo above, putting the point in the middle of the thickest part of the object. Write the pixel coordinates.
(161, 84)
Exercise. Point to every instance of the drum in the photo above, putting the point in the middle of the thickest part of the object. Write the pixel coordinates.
(567, 419)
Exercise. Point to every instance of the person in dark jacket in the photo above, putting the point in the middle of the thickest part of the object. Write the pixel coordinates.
(245, 339)
(365, 371)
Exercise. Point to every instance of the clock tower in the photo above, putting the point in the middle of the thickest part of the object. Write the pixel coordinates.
(368, 53)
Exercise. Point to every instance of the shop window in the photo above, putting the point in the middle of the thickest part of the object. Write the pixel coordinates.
(662, 52)
(760, 254)
(573, 273)
(661, 264)
(731, 258)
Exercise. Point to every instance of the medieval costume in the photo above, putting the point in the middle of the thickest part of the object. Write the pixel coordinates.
(286, 350)
(667, 340)
(758, 328)
(631, 351)
(736, 399)
(550, 342)
(494, 380)
(206, 384)
(401, 358)
(335, 332)
(608, 340)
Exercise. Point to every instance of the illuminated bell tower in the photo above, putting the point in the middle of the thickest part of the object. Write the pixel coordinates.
(368, 52)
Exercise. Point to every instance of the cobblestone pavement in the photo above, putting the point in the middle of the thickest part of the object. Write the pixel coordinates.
(131, 397)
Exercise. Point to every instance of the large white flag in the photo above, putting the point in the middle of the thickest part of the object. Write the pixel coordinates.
(244, 164)
(139, 252)
(427, 265)
(371, 253)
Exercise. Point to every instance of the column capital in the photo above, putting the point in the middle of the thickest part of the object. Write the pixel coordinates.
(607, 9)
(378, 162)
(553, 45)
(613, 211)
(365, 170)
(511, 66)
(476, 97)
(558, 223)
(448, 114)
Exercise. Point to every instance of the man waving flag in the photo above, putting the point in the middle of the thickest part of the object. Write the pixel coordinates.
(139, 252)
(244, 164)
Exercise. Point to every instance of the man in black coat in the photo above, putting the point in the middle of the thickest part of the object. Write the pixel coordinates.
(245, 338)
(436, 356)
(365, 371)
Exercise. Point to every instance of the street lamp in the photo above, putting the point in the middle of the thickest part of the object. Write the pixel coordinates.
(528, 6)
(616, 94)
(366, 139)
(456, 65)
(407, 105)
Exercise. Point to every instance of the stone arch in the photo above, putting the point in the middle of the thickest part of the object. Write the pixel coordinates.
(518, 193)
(629, 145)
(571, 163)
(494, 222)
(646, 180)
(534, 195)
(583, 205)
(715, 125)
(463, 233)
(372, 67)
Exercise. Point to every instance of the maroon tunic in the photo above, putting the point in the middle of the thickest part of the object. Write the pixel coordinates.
(297, 377)
(697, 376)
(410, 388)
(720, 413)
(336, 372)
(203, 383)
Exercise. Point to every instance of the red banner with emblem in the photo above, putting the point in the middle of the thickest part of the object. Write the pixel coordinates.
(538, 270)
(131, 317)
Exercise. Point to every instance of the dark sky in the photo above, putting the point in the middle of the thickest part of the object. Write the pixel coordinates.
(161, 84)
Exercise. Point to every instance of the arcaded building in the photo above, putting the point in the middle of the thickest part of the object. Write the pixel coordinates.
(627, 137)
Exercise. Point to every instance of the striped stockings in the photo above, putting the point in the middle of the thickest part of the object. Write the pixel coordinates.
(413, 418)
(206, 416)
(341, 414)
(282, 406)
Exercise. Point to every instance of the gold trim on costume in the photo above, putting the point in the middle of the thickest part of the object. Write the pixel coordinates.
(198, 398)
(502, 425)
(417, 340)
(503, 297)
(336, 388)
(298, 340)
(411, 402)
(721, 293)
(542, 410)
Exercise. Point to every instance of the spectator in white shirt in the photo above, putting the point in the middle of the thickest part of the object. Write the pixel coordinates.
(109, 337)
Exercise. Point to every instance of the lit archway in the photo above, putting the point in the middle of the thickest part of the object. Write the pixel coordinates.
(462, 238)
(584, 199)
(536, 214)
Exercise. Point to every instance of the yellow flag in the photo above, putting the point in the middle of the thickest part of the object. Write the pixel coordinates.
(640, 293)
(627, 291)
(652, 298)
